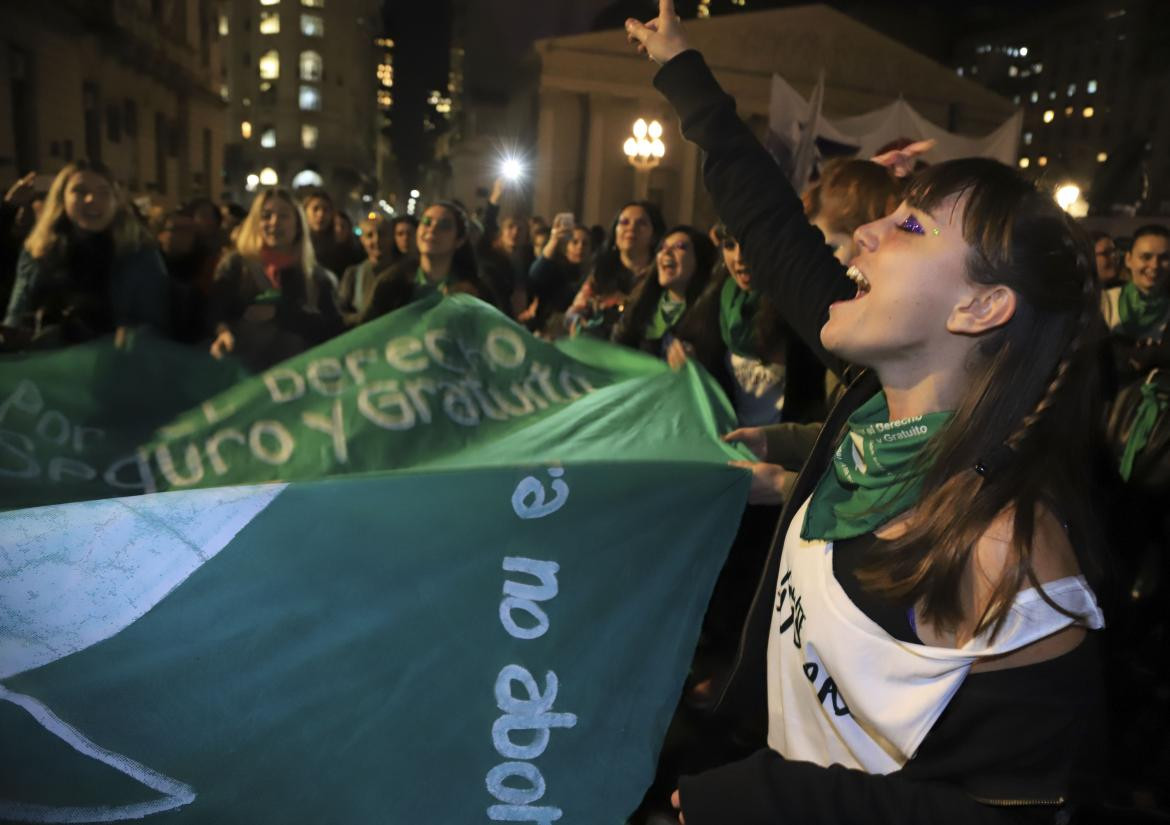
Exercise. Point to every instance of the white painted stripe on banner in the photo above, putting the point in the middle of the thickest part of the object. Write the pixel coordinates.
(175, 793)
(72, 575)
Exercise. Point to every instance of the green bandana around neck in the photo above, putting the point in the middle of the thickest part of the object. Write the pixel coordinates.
(1141, 314)
(665, 316)
(1152, 405)
(423, 285)
(873, 476)
(737, 310)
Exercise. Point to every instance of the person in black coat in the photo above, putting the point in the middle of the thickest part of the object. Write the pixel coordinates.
(970, 311)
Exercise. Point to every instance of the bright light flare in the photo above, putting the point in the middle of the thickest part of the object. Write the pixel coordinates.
(512, 169)
(1066, 195)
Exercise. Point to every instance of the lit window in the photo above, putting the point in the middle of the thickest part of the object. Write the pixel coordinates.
(268, 176)
(1027, 138)
(316, 4)
(312, 25)
(1102, 157)
(269, 2)
(1037, 67)
(1035, 97)
(252, 182)
(1023, 51)
(1013, 71)
(246, 129)
(309, 136)
(270, 65)
(310, 99)
(1025, 163)
(223, 24)
(959, 71)
(268, 137)
(312, 66)
(1068, 110)
(1091, 87)
(269, 22)
(1049, 115)
(1087, 111)
(1042, 161)
(385, 99)
(386, 73)
(1072, 89)
(1052, 95)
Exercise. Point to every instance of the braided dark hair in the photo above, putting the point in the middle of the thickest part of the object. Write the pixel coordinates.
(1021, 436)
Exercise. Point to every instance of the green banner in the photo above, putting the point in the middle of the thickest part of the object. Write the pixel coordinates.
(472, 595)
(440, 383)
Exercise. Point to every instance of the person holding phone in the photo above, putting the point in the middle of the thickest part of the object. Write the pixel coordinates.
(555, 276)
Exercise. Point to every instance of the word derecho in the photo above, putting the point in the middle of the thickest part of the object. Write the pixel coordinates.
(312, 409)
(518, 783)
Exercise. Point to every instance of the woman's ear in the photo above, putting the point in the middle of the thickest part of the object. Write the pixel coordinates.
(986, 309)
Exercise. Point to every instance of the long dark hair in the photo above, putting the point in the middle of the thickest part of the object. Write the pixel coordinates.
(1021, 435)
(608, 272)
(631, 329)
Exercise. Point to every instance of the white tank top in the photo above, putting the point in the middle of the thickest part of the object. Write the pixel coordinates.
(842, 691)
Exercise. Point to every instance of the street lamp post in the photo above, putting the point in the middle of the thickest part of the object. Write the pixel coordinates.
(644, 150)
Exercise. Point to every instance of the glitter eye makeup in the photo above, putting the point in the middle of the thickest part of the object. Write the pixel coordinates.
(911, 224)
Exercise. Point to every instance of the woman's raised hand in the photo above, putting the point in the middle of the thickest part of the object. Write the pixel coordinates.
(661, 38)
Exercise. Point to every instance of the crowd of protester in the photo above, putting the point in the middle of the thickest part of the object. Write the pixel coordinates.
(78, 262)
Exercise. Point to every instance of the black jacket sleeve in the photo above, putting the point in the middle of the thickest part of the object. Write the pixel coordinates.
(788, 256)
(767, 789)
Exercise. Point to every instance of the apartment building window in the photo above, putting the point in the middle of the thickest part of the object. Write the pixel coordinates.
(309, 136)
(310, 99)
(246, 129)
(270, 65)
(312, 25)
(268, 137)
(315, 4)
(269, 2)
(269, 22)
(312, 67)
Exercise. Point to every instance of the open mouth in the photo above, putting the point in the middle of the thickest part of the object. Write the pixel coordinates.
(854, 274)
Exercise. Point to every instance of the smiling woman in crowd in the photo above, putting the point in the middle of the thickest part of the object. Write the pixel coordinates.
(921, 646)
(656, 306)
(88, 267)
(270, 298)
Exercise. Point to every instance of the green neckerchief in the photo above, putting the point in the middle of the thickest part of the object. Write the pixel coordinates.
(423, 286)
(268, 296)
(873, 477)
(737, 310)
(665, 316)
(1152, 405)
(1140, 314)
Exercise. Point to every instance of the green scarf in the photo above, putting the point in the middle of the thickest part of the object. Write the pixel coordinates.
(873, 477)
(1152, 405)
(737, 310)
(268, 296)
(1140, 314)
(424, 287)
(665, 316)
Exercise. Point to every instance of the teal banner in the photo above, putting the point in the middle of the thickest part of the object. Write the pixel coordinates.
(466, 586)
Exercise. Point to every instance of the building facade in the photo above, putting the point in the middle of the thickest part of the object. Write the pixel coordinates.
(131, 83)
(1094, 83)
(593, 87)
(303, 80)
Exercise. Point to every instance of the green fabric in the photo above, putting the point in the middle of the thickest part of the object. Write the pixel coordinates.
(268, 296)
(1152, 405)
(737, 311)
(873, 476)
(1140, 314)
(355, 646)
(665, 316)
(413, 388)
